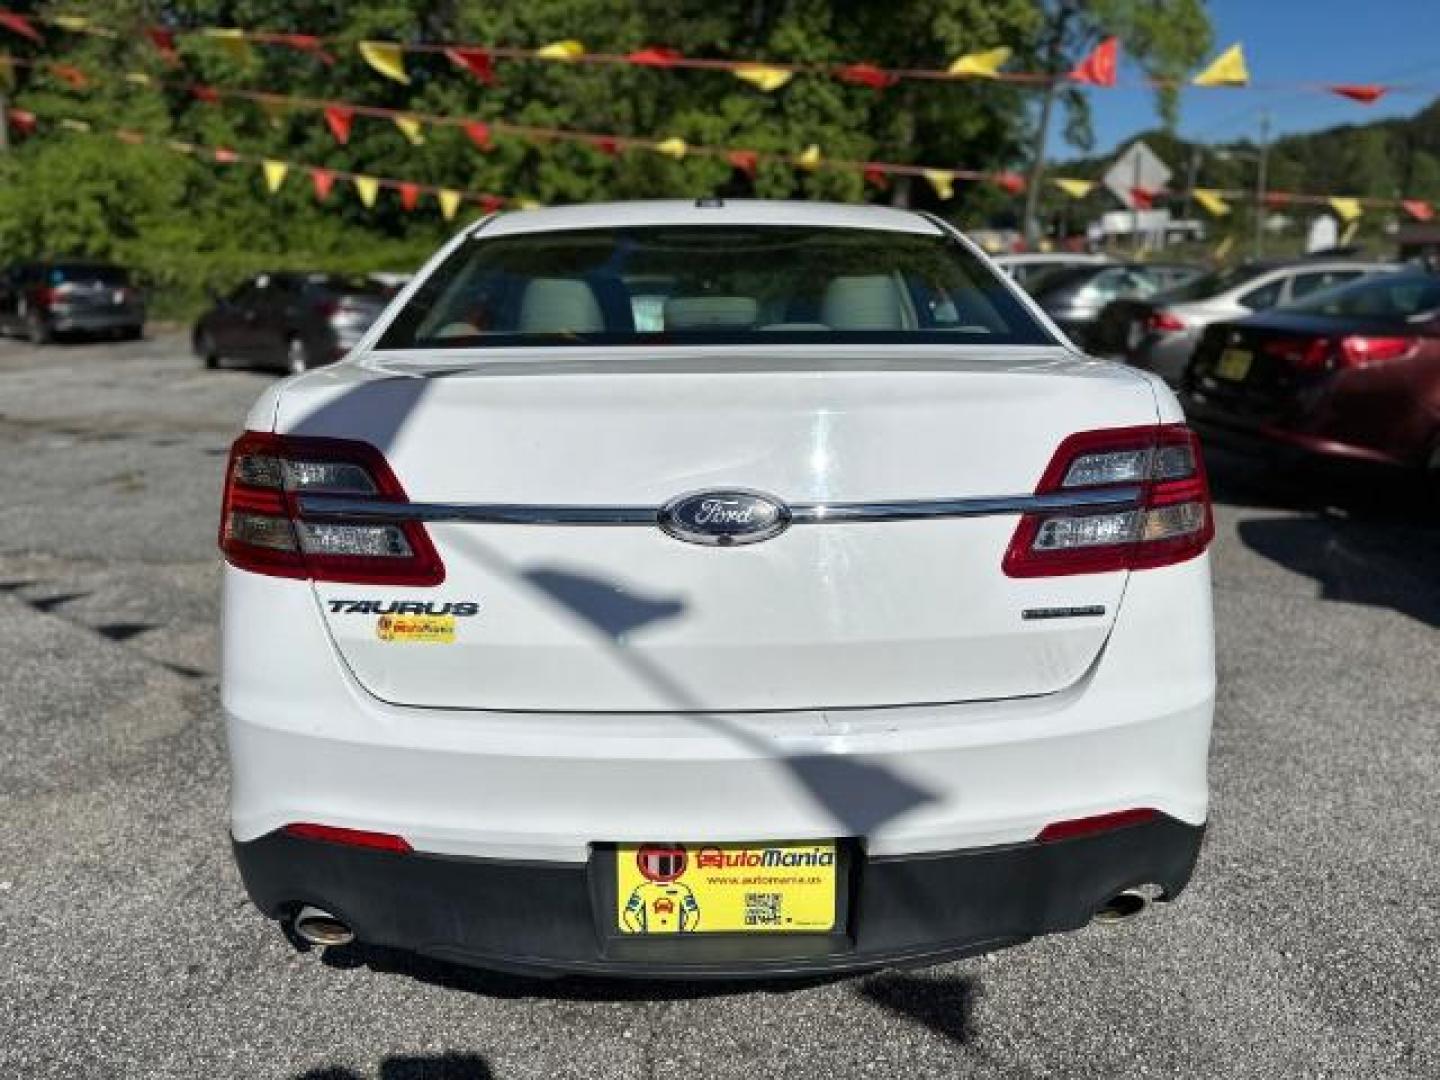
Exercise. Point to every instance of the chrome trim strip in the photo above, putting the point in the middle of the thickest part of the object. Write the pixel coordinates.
(364, 509)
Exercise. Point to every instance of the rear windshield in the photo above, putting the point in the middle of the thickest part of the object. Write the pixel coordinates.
(344, 283)
(86, 274)
(1396, 297)
(712, 284)
(1214, 283)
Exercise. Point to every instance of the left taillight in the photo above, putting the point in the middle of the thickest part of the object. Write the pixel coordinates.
(263, 528)
(1168, 520)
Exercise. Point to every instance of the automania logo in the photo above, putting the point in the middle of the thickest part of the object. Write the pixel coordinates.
(723, 518)
(716, 859)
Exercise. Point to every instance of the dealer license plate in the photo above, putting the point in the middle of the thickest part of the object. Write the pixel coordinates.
(1234, 364)
(727, 888)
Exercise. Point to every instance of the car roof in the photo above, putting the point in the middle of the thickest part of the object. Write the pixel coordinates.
(707, 212)
(1078, 258)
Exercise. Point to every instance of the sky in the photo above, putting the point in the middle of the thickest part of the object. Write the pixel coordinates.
(1289, 41)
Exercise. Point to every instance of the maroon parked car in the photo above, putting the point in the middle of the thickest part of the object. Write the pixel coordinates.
(1350, 374)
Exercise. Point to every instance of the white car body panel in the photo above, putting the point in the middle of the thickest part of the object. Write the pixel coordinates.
(870, 680)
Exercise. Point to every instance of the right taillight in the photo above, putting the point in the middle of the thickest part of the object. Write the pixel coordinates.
(1164, 322)
(263, 527)
(1161, 513)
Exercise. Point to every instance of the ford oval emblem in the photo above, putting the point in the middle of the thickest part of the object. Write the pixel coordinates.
(724, 518)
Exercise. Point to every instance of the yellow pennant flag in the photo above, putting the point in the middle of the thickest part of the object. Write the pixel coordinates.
(1227, 69)
(387, 58)
(528, 204)
(564, 51)
(232, 41)
(76, 24)
(138, 78)
(943, 181)
(1076, 189)
(809, 159)
(74, 125)
(412, 129)
(763, 76)
(1222, 249)
(449, 202)
(1349, 209)
(981, 65)
(1212, 202)
(274, 174)
(674, 147)
(7, 70)
(367, 187)
(1348, 236)
(181, 147)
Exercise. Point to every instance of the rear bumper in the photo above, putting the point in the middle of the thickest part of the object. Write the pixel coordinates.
(1283, 446)
(536, 916)
(105, 319)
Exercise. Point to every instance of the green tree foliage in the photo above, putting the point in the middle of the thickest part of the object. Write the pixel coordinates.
(192, 222)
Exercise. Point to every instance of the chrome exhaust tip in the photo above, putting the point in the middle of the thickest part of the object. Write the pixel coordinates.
(319, 927)
(1122, 906)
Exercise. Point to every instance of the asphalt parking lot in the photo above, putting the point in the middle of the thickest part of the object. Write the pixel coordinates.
(1308, 944)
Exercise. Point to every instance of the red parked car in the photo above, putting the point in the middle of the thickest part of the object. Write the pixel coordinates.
(1351, 374)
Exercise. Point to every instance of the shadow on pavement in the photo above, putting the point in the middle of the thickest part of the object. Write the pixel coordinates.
(450, 1066)
(1364, 539)
(942, 1003)
(498, 984)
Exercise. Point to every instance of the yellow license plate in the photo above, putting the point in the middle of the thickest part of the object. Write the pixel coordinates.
(1234, 364)
(726, 888)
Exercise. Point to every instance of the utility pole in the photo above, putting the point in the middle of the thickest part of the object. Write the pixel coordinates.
(1260, 179)
(4, 123)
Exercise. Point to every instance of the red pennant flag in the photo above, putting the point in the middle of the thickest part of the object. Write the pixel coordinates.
(480, 135)
(409, 195)
(1276, 199)
(1098, 69)
(491, 203)
(747, 161)
(1365, 93)
(1143, 199)
(606, 144)
(475, 61)
(324, 180)
(70, 75)
(338, 119)
(877, 177)
(1418, 209)
(20, 25)
(226, 156)
(866, 75)
(1014, 183)
(306, 43)
(207, 94)
(21, 121)
(164, 42)
(654, 57)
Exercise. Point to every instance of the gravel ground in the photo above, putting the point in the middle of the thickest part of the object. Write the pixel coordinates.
(1308, 945)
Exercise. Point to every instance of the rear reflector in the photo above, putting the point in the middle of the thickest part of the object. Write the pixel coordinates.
(1098, 823)
(1171, 521)
(262, 529)
(352, 837)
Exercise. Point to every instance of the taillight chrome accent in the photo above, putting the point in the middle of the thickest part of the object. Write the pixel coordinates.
(264, 528)
(1170, 520)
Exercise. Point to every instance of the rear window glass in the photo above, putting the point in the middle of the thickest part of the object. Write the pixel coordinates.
(1214, 283)
(86, 274)
(344, 283)
(1388, 296)
(712, 284)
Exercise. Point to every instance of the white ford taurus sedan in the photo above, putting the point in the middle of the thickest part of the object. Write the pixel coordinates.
(714, 588)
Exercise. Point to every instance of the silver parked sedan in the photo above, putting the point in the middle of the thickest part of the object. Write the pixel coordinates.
(1159, 333)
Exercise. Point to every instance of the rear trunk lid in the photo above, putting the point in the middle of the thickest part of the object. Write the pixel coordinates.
(628, 618)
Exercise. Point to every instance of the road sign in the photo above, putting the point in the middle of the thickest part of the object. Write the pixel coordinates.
(1138, 168)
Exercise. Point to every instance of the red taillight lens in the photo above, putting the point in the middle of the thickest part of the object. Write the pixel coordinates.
(1357, 350)
(1164, 322)
(1098, 823)
(45, 296)
(334, 834)
(1167, 522)
(1300, 354)
(262, 527)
